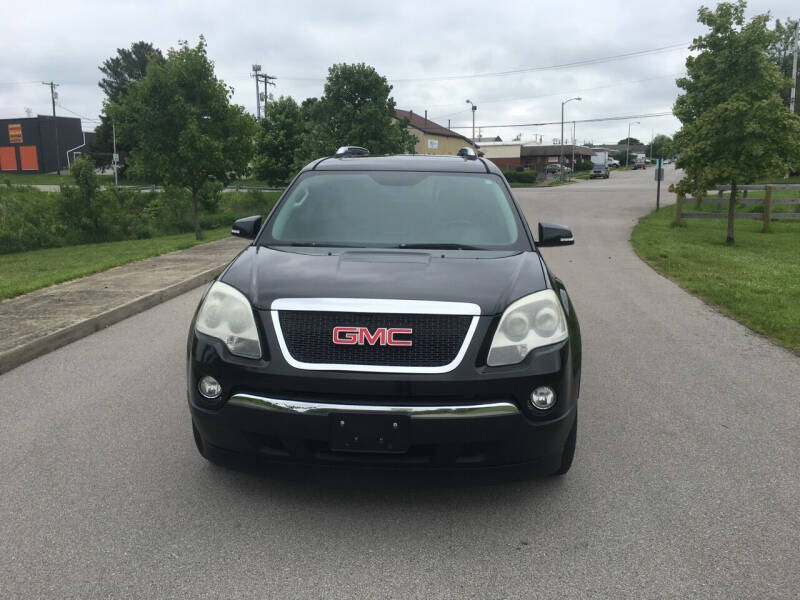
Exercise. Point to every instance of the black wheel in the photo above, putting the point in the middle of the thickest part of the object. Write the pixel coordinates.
(569, 448)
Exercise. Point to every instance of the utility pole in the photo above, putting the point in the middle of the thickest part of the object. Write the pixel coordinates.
(267, 80)
(628, 147)
(561, 153)
(572, 164)
(53, 96)
(256, 70)
(115, 156)
(794, 66)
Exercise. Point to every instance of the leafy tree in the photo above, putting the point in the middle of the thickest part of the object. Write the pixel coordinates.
(120, 71)
(622, 156)
(358, 110)
(187, 132)
(633, 141)
(735, 127)
(661, 146)
(780, 52)
(280, 134)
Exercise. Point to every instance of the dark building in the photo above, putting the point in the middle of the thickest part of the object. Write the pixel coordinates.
(28, 145)
(538, 157)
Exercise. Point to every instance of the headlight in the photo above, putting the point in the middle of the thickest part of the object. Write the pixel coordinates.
(227, 315)
(530, 322)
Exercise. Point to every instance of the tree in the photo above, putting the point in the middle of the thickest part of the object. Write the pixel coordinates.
(633, 141)
(120, 71)
(280, 133)
(735, 127)
(357, 110)
(187, 132)
(622, 156)
(661, 146)
(780, 52)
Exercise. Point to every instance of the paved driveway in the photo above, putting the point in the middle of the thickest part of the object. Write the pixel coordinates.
(686, 481)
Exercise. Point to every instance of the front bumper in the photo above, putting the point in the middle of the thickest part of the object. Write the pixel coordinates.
(477, 435)
(473, 416)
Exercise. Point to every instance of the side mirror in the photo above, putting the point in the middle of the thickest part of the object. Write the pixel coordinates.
(552, 234)
(247, 227)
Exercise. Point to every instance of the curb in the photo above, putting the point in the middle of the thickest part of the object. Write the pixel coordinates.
(10, 359)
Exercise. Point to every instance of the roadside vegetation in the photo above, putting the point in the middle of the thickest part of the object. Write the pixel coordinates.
(83, 213)
(736, 125)
(757, 281)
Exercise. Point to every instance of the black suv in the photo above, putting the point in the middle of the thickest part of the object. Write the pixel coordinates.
(391, 310)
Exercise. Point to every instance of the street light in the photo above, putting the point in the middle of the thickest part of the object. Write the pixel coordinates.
(474, 108)
(561, 154)
(628, 148)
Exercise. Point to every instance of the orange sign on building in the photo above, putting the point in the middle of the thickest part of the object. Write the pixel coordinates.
(15, 133)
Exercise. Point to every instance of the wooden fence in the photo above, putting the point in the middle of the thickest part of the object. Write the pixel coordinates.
(768, 201)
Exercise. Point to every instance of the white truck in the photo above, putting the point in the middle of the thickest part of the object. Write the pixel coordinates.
(602, 157)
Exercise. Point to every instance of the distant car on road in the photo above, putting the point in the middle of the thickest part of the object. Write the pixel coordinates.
(639, 164)
(599, 171)
(554, 168)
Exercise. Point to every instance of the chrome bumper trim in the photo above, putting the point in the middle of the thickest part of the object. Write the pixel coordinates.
(466, 411)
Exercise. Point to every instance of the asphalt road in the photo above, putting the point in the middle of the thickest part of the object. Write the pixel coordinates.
(686, 482)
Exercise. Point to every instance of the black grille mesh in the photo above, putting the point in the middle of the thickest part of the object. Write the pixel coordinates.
(436, 338)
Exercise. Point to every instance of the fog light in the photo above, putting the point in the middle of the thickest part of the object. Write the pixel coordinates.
(209, 387)
(543, 398)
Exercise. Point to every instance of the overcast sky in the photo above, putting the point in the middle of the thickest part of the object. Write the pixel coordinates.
(411, 40)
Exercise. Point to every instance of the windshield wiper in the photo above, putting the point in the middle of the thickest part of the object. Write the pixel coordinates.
(436, 246)
(323, 245)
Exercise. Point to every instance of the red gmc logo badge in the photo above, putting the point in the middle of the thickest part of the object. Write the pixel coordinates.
(383, 336)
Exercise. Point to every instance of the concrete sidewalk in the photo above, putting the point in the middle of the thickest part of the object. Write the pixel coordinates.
(41, 321)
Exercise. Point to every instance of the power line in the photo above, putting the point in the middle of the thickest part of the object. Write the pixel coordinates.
(597, 120)
(591, 89)
(78, 115)
(579, 63)
(569, 65)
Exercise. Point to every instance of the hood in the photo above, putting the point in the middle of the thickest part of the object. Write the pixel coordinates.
(492, 280)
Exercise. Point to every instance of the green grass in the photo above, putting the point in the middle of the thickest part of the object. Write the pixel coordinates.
(691, 207)
(27, 271)
(779, 180)
(756, 280)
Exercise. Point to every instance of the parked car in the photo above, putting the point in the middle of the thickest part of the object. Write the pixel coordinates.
(613, 163)
(353, 331)
(556, 168)
(599, 171)
(639, 164)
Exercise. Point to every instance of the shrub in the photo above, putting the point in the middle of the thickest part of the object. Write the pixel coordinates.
(583, 165)
(527, 176)
(27, 220)
(31, 219)
(511, 175)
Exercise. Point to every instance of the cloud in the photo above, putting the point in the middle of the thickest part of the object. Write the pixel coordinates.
(298, 41)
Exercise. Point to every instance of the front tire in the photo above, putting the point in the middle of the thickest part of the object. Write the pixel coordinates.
(568, 453)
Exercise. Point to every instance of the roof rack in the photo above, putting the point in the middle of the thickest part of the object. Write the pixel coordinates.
(467, 153)
(352, 151)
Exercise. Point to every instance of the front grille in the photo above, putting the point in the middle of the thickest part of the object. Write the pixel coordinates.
(436, 339)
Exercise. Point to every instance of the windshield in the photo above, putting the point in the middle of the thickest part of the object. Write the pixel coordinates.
(397, 210)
